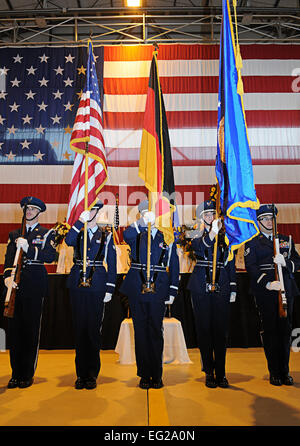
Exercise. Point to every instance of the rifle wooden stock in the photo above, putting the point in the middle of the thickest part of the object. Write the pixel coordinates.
(282, 302)
(9, 305)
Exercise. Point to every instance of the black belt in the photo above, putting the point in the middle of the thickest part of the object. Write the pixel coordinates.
(267, 266)
(32, 262)
(143, 267)
(94, 263)
(208, 263)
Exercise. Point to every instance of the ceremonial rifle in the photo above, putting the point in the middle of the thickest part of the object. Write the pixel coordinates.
(9, 305)
(282, 302)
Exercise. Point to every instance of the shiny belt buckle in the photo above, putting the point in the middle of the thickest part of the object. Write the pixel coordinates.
(212, 288)
(148, 287)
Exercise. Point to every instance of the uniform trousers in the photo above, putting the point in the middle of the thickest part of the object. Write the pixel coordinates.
(276, 333)
(24, 331)
(87, 316)
(211, 312)
(147, 319)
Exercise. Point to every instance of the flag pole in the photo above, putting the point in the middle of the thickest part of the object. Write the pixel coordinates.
(149, 242)
(84, 282)
(148, 287)
(215, 252)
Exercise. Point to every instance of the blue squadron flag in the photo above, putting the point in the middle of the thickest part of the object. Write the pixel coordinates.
(234, 171)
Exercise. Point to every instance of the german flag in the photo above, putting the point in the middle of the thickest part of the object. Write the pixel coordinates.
(155, 165)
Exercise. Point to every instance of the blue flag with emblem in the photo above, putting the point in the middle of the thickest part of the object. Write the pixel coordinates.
(234, 171)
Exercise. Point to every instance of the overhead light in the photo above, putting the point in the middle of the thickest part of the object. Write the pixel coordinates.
(133, 3)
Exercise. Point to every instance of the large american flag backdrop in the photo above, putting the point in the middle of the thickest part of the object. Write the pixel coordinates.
(40, 89)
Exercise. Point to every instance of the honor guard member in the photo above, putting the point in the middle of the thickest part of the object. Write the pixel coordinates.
(211, 308)
(148, 308)
(38, 246)
(260, 264)
(87, 302)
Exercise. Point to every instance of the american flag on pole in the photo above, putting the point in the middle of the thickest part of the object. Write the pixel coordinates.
(87, 137)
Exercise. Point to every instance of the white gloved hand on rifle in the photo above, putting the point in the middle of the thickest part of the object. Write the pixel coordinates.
(170, 301)
(273, 286)
(279, 260)
(84, 216)
(232, 296)
(9, 282)
(22, 243)
(107, 297)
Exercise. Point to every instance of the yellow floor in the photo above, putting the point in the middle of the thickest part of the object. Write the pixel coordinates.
(118, 401)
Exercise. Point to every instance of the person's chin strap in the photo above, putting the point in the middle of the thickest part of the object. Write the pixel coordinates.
(94, 216)
(30, 219)
(267, 229)
(207, 224)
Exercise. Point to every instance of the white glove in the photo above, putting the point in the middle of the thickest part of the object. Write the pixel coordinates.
(215, 228)
(84, 216)
(149, 217)
(216, 225)
(170, 301)
(279, 260)
(273, 286)
(8, 282)
(107, 297)
(22, 243)
(232, 296)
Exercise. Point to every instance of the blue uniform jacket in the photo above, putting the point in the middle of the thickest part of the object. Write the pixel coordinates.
(104, 277)
(41, 250)
(166, 281)
(258, 256)
(226, 275)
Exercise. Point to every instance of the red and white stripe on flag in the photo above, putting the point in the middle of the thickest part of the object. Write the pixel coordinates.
(87, 140)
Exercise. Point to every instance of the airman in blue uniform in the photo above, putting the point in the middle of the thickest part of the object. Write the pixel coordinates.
(260, 264)
(148, 308)
(38, 246)
(88, 301)
(211, 308)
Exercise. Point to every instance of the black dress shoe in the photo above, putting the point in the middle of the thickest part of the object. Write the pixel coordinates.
(25, 383)
(157, 384)
(210, 381)
(80, 383)
(90, 383)
(275, 381)
(287, 380)
(145, 383)
(13, 383)
(222, 382)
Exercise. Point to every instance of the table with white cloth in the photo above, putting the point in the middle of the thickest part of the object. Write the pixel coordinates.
(175, 350)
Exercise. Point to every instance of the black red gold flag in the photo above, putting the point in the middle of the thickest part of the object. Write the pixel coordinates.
(155, 164)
